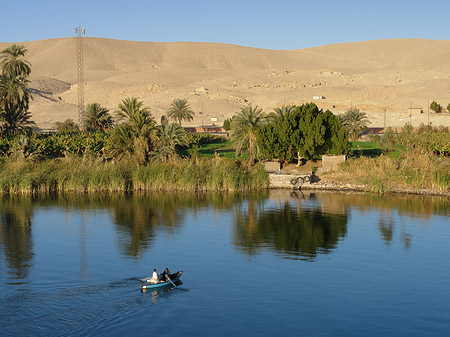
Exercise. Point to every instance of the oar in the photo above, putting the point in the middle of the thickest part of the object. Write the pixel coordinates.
(171, 281)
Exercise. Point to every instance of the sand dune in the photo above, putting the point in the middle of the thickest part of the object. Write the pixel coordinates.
(220, 79)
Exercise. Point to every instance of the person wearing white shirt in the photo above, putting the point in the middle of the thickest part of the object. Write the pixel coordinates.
(154, 278)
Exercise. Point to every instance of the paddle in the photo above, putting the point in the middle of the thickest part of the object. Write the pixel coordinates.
(167, 276)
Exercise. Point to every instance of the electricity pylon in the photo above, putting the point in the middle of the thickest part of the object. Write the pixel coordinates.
(80, 31)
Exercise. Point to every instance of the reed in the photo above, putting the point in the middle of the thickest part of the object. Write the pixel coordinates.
(412, 170)
(89, 175)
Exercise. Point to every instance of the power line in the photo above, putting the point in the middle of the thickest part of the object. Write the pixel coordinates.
(80, 32)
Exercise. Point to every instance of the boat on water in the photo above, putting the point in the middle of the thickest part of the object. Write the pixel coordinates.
(173, 281)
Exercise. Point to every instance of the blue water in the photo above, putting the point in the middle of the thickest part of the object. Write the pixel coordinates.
(278, 264)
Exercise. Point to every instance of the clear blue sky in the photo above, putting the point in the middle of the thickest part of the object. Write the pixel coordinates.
(276, 24)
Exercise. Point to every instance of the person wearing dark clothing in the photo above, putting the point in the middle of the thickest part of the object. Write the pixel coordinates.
(166, 274)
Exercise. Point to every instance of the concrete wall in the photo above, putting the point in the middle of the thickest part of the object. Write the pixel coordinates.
(286, 180)
(272, 166)
(415, 111)
(330, 163)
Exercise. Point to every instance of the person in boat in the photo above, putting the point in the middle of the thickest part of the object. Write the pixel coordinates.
(166, 274)
(154, 278)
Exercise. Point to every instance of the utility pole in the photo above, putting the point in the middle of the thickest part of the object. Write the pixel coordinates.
(384, 128)
(80, 32)
(410, 112)
(201, 113)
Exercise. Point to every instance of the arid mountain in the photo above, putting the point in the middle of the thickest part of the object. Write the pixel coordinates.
(219, 79)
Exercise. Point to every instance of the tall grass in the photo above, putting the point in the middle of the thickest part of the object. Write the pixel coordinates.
(412, 170)
(93, 175)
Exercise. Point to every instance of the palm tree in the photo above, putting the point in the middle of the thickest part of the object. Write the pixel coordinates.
(141, 129)
(170, 136)
(15, 121)
(180, 110)
(14, 101)
(97, 117)
(120, 144)
(14, 92)
(355, 122)
(284, 110)
(12, 62)
(137, 116)
(244, 126)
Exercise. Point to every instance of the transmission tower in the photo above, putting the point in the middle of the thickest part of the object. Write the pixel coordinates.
(80, 31)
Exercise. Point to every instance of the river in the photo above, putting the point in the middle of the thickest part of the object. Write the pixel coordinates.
(275, 263)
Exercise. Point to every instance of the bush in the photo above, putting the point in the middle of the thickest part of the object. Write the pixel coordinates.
(435, 106)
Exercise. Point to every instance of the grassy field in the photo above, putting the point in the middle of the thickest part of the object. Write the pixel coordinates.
(223, 148)
(372, 149)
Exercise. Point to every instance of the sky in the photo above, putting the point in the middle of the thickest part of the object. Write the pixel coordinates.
(276, 24)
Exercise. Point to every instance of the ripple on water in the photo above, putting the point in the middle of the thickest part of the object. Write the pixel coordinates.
(76, 311)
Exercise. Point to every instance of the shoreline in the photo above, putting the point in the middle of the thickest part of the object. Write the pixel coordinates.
(342, 187)
(283, 181)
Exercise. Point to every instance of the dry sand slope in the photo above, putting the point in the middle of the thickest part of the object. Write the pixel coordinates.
(219, 79)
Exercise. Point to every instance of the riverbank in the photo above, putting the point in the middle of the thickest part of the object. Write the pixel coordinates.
(325, 183)
(80, 174)
(425, 175)
(410, 173)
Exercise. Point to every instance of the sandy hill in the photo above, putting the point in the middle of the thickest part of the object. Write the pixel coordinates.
(219, 79)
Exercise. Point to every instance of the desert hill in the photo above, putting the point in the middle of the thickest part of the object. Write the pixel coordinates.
(219, 79)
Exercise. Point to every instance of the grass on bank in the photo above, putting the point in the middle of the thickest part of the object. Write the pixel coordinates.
(94, 175)
(410, 170)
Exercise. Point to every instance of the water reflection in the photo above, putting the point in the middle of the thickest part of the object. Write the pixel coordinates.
(295, 225)
(409, 205)
(16, 235)
(288, 230)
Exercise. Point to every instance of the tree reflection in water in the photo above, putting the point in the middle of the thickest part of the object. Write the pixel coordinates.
(290, 231)
(15, 234)
(289, 228)
(138, 217)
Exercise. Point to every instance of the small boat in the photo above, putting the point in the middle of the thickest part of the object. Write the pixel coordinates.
(174, 280)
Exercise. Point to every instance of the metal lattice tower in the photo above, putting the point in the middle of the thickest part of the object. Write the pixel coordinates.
(80, 31)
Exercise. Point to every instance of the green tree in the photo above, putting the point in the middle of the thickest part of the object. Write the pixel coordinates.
(448, 108)
(355, 121)
(120, 144)
(303, 131)
(15, 94)
(13, 63)
(97, 117)
(137, 136)
(244, 127)
(171, 136)
(180, 111)
(14, 101)
(388, 139)
(227, 124)
(435, 107)
(67, 126)
(138, 117)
